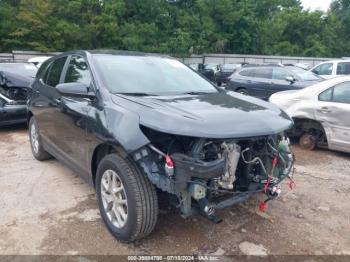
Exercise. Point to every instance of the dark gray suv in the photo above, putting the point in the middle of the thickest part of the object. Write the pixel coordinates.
(263, 81)
(131, 123)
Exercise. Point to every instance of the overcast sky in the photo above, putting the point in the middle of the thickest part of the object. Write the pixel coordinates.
(316, 4)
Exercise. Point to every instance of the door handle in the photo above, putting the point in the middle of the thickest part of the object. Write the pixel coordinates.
(325, 110)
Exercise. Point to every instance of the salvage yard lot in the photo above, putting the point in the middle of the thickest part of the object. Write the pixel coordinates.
(47, 209)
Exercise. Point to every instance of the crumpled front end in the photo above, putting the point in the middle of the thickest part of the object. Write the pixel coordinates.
(208, 174)
(13, 98)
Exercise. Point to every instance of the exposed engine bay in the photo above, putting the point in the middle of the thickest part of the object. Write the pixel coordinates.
(209, 174)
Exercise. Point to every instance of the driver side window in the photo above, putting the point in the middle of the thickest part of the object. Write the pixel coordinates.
(53, 74)
(338, 94)
(78, 71)
(324, 69)
(280, 74)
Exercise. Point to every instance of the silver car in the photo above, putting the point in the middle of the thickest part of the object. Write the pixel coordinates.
(321, 113)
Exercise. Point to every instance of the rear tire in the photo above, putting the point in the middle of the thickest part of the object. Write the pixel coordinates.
(38, 150)
(129, 205)
(243, 91)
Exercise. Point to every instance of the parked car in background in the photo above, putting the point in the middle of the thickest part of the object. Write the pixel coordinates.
(262, 81)
(194, 66)
(332, 69)
(167, 128)
(15, 80)
(37, 61)
(321, 113)
(225, 71)
(208, 70)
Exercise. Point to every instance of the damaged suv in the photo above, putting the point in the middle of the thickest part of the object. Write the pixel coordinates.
(134, 125)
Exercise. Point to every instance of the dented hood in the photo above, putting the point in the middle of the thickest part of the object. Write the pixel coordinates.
(213, 115)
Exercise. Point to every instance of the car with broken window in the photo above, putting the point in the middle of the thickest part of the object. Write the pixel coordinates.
(15, 80)
(168, 130)
(321, 114)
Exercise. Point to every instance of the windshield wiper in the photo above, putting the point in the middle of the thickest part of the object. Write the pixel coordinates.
(135, 94)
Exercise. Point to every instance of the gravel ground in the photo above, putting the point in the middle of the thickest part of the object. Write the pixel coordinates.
(47, 209)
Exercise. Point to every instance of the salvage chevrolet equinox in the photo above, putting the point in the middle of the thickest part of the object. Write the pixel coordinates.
(135, 125)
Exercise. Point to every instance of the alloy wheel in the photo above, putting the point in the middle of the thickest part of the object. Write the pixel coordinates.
(114, 198)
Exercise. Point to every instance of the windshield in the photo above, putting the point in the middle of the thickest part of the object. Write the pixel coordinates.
(303, 74)
(23, 69)
(149, 75)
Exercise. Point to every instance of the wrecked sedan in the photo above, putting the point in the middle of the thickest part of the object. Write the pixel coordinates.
(320, 113)
(15, 80)
(135, 125)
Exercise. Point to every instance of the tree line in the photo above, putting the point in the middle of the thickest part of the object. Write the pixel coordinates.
(176, 27)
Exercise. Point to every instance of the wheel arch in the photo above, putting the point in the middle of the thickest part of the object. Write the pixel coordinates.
(304, 124)
(100, 151)
(29, 116)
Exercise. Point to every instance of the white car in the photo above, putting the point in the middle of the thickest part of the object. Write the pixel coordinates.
(321, 113)
(331, 69)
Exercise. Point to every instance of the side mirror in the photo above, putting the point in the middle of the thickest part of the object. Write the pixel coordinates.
(75, 90)
(290, 79)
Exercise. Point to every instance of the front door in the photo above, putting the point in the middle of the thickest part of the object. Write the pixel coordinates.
(333, 112)
(279, 80)
(71, 115)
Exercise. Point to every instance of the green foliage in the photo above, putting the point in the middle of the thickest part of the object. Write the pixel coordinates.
(177, 27)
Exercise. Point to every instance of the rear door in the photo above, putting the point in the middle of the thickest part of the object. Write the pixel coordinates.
(259, 82)
(45, 100)
(333, 111)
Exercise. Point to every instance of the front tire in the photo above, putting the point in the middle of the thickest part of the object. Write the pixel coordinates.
(38, 150)
(308, 142)
(127, 200)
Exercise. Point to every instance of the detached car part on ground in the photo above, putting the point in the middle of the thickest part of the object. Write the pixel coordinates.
(15, 80)
(320, 112)
(169, 129)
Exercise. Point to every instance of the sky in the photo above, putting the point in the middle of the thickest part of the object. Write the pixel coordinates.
(316, 4)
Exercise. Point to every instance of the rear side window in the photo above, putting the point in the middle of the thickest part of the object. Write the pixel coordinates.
(78, 71)
(54, 72)
(261, 73)
(324, 69)
(343, 68)
(341, 93)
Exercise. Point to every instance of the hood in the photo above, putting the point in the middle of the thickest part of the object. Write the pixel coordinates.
(215, 115)
(10, 79)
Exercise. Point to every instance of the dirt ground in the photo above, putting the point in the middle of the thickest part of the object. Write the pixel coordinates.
(47, 209)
